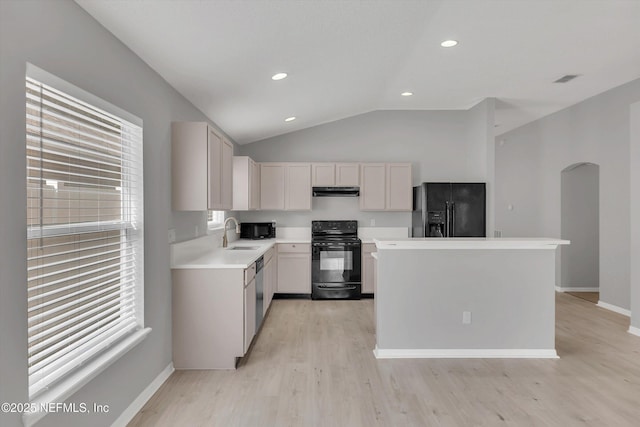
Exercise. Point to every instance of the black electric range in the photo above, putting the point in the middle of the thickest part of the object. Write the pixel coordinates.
(335, 260)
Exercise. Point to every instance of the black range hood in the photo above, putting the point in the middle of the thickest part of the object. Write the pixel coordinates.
(336, 191)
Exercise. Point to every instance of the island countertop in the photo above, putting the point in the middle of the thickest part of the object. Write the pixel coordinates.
(470, 243)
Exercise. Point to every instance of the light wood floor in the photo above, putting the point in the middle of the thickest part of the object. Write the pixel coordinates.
(312, 365)
(593, 297)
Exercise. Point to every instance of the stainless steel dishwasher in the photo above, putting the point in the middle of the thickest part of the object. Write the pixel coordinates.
(259, 293)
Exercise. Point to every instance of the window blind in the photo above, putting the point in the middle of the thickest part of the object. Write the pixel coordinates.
(215, 218)
(84, 232)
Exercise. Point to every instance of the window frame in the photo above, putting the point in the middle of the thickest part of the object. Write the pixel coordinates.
(70, 382)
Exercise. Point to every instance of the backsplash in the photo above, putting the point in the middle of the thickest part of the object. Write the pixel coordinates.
(327, 208)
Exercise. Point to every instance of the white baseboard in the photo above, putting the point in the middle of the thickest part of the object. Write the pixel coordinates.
(614, 308)
(143, 397)
(633, 330)
(577, 289)
(472, 353)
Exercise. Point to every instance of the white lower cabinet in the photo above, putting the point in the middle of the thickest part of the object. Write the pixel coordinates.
(213, 316)
(249, 313)
(368, 274)
(269, 274)
(294, 268)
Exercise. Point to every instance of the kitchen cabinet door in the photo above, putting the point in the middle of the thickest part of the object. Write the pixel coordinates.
(268, 278)
(254, 187)
(294, 269)
(246, 184)
(189, 166)
(323, 174)
(226, 178)
(373, 186)
(214, 171)
(201, 168)
(249, 313)
(266, 283)
(399, 187)
(208, 312)
(298, 187)
(367, 268)
(347, 174)
(272, 193)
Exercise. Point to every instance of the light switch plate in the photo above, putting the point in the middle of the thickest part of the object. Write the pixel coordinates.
(172, 235)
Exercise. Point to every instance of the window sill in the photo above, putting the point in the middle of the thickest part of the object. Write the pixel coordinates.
(81, 377)
(215, 227)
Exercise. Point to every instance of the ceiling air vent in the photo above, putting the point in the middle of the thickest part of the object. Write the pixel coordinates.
(567, 78)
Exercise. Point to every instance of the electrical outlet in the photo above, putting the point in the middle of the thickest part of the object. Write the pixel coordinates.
(373, 222)
(197, 231)
(497, 233)
(466, 317)
(172, 235)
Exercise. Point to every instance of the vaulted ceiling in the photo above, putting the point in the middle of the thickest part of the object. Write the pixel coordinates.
(349, 57)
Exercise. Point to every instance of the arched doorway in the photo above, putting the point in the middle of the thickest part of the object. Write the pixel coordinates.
(580, 219)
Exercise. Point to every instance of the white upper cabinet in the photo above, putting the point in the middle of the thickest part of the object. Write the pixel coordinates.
(288, 186)
(399, 187)
(386, 186)
(285, 186)
(373, 186)
(347, 174)
(201, 168)
(227, 176)
(298, 187)
(323, 174)
(254, 201)
(335, 174)
(246, 184)
(272, 186)
(214, 170)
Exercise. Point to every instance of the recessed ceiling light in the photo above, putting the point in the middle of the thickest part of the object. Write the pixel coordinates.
(279, 76)
(290, 119)
(449, 43)
(406, 93)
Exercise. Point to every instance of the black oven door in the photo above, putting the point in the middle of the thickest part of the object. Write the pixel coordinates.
(336, 270)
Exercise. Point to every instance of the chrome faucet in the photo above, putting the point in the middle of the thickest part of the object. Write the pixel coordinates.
(225, 242)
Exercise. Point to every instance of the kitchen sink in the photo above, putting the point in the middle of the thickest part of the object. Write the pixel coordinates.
(244, 248)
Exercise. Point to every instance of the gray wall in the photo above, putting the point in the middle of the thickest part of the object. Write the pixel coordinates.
(422, 294)
(59, 37)
(528, 167)
(634, 163)
(481, 136)
(442, 145)
(580, 224)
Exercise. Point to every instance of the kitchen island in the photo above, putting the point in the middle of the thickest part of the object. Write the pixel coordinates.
(460, 297)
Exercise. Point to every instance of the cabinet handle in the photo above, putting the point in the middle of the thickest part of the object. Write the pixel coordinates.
(293, 246)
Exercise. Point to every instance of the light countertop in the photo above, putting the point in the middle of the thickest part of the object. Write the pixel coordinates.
(368, 234)
(203, 252)
(470, 243)
(223, 257)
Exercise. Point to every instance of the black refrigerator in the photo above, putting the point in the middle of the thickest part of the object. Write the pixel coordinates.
(446, 209)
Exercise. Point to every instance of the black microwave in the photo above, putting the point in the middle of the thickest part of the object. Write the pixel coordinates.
(258, 230)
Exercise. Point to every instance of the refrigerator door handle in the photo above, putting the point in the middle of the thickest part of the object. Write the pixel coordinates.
(448, 220)
(453, 219)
